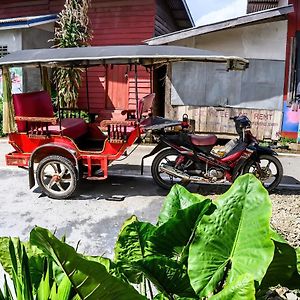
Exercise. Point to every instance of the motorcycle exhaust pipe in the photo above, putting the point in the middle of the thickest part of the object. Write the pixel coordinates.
(179, 174)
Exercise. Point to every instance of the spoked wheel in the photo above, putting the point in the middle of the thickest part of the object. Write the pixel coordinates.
(56, 176)
(268, 170)
(167, 158)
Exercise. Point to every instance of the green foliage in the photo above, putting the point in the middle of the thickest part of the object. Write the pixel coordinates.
(72, 31)
(242, 288)
(198, 250)
(236, 236)
(89, 278)
(284, 141)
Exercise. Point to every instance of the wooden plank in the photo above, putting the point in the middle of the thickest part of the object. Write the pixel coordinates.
(265, 123)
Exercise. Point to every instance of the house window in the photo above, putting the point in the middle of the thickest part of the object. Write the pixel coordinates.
(3, 50)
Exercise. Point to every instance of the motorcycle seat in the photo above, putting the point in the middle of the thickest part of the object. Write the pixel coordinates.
(208, 140)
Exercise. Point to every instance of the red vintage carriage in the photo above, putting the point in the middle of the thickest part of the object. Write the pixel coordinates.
(60, 148)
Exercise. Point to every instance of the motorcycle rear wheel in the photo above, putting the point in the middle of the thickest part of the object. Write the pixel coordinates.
(162, 179)
(267, 164)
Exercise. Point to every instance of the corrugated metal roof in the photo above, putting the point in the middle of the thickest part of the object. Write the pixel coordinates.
(25, 22)
(181, 13)
(130, 54)
(258, 5)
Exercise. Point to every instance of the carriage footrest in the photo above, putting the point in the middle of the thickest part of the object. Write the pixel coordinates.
(17, 159)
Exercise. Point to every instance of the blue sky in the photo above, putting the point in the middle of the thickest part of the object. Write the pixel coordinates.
(210, 11)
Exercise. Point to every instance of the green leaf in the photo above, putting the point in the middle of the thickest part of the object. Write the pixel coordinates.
(130, 246)
(178, 232)
(178, 198)
(283, 268)
(44, 289)
(4, 255)
(240, 289)
(234, 240)
(167, 275)
(35, 257)
(90, 279)
(7, 292)
(298, 259)
(64, 289)
(27, 285)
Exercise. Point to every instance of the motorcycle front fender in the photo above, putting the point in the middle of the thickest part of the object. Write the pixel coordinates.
(259, 150)
(161, 145)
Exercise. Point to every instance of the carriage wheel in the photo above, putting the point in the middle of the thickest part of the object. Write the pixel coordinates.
(56, 176)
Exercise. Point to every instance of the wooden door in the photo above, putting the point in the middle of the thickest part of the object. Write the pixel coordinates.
(117, 88)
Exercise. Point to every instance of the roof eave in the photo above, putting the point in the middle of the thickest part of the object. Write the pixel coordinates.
(20, 23)
(253, 18)
(188, 12)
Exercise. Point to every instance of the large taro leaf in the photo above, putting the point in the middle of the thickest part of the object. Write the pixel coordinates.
(130, 246)
(240, 289)
(234, 240)
(169, 276)
(89, 279)
(283, 268)
(110, 266)
(176, 234)
(298, 259)
(178, 198)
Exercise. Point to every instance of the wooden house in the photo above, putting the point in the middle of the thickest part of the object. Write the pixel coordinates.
(30, 24)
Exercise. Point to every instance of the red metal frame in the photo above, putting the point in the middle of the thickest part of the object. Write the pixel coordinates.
(25, 146)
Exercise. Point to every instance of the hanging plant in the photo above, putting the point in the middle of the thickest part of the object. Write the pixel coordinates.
(72, 31)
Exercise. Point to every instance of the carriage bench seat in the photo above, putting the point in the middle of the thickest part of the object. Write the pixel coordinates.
(70, 127)
(31, 108)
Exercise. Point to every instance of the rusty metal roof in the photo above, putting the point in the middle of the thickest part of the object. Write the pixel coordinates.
(258, 5)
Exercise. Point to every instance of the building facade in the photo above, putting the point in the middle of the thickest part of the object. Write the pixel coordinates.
(30, 24)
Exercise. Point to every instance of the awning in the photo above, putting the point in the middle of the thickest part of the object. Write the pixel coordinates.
(26, 22)
(134, 54)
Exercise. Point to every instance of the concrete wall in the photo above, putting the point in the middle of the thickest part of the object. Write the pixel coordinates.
(260, 86)
(262, 41)
(12, 38)
(34, 38)
(198, 89)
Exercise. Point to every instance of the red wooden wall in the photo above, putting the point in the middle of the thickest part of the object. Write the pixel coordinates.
(113, 22)
(117, 22)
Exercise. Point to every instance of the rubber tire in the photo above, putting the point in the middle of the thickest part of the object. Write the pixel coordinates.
(276, 162)
(155, 172)
(71, 167)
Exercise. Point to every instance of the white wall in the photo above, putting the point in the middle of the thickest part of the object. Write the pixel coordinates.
(262, 41)
(12, 38)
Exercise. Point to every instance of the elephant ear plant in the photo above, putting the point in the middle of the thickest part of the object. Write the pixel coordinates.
(199, 249)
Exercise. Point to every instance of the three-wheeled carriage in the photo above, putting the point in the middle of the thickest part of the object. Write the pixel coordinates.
(59, 149)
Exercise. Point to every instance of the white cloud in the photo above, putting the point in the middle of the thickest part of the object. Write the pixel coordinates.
(234, 9)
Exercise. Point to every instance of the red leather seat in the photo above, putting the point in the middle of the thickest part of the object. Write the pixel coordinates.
(39, 104)
(70, 127)
(208, 140)
(35, 104)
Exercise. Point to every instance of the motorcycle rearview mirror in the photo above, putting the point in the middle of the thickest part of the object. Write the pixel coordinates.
(185, 121)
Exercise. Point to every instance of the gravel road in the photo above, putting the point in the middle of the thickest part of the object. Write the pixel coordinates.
(286, 215)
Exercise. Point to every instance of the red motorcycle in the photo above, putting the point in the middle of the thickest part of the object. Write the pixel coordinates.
(184, 157)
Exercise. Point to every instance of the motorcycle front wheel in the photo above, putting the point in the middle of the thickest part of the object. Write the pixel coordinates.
(166, 158)
(267, 169)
